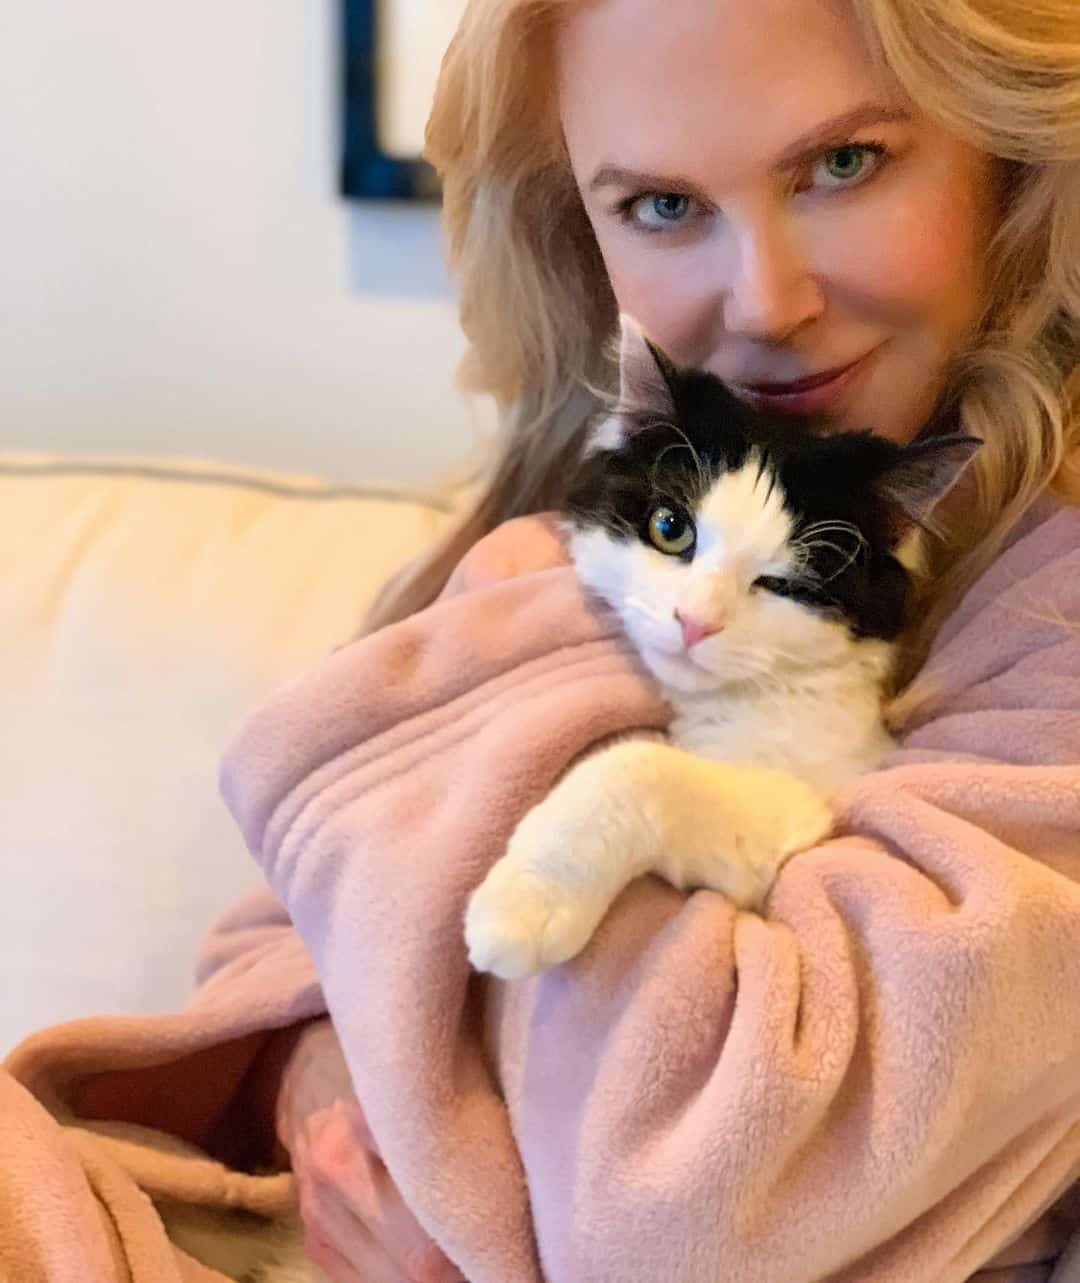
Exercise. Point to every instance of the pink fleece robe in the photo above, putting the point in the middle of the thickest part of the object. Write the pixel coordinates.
(876, 1081)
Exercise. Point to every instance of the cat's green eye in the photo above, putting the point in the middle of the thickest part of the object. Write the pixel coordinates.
(671, 532)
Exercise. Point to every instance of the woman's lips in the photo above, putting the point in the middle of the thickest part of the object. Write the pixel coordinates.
(812, 395)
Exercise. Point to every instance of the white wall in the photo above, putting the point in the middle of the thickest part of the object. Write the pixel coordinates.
(412, 35)
(177, 274)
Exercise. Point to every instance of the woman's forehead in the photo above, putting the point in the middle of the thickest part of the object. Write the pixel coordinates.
(722, 84)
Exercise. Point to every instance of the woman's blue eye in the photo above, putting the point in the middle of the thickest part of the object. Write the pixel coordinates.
(670, 207)
(659, 210)
(848, 165)
(837, 168)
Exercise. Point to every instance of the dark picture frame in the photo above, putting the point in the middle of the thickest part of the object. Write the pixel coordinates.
(366, 172)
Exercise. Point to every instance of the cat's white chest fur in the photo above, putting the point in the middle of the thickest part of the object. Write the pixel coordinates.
(825, 727)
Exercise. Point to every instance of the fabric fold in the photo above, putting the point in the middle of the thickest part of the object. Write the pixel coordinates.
(447, 728)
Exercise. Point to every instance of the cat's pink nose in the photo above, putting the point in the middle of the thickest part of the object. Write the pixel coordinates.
(695, 630)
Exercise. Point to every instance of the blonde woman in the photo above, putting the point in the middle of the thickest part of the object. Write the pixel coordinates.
(884, 189)
(864, 209)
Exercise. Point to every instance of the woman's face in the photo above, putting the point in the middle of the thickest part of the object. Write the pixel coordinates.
(771, 210)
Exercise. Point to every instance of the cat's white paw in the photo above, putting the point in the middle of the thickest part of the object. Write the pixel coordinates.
(801, 819)
(808, 817)
(518, 922)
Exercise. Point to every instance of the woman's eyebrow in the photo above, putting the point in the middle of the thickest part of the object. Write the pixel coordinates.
(830, 133)
(639, 180)
(838, 130)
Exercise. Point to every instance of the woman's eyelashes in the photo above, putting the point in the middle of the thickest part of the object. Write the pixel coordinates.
(835, 170)
(841, 168)
(653, 212)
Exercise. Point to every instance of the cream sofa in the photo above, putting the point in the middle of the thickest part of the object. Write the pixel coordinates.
(144, 606)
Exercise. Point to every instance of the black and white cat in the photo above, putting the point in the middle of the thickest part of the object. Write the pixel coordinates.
(754, 568)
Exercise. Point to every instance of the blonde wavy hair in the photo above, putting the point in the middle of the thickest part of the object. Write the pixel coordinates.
(539, 314)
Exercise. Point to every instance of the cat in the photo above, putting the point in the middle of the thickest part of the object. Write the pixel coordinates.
(754, 566)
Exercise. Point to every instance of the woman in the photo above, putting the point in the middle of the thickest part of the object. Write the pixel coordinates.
(775, 191)
(867, 210)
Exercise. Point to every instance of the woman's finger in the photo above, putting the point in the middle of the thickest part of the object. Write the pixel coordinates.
(363, 1259)
(327, 1211)
(394, 1225)
(370, 1265)
(348, 1198)
(329, 1261)
(349, 1208)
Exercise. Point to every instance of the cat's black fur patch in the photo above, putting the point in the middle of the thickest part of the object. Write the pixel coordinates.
(855, 478)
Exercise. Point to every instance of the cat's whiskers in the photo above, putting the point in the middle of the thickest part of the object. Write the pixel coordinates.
(754, 662)
(831, 526)
(704, 478)
(755, 670)
(813, 537)
(852, 557)
(764, 660)
(614, 519)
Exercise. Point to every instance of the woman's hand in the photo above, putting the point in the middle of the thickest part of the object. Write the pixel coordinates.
(357, 1227)
(525, 545)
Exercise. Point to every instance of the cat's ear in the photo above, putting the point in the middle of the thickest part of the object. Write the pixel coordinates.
(645, 376)
(919, 477)
(644, 373)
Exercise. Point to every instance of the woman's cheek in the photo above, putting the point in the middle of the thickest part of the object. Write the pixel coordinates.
(913, 253)
(672, 296)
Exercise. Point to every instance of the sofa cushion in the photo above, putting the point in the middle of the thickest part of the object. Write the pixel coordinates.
(144, 607)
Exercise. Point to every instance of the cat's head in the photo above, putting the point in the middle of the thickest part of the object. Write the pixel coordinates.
(736, 545)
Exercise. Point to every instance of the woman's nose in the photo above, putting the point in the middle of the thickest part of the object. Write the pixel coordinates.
(772, 294)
